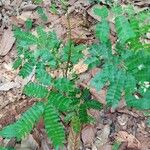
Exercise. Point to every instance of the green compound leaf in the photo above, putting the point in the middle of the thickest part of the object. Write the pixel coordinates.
(54, 128)
(93, 104)
(35, 90)
(61, 102)
(28, 24)
(83, 116)
(17, 63)
(64, 85)
(76, 124)
(99, 80)
(26, 69)
(102, 12)
(25, 37)
(42, 13)
(103, 31)
(43, 77)
(115, 90)
(25, 124)
(141, 104)
(124, 30)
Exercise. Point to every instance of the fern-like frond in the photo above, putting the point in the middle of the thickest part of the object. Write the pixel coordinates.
(43, 76)
(35, 90)
(142, 103)
(124, 30)
(42, 37)
(102, 31)
(4, 148)
(42, 13)
(54, 128)
(83, 116)
(25, 124)
(26, 69)
(102, 12)
(9, 131)
(26, 37)
(115, 90)
(64, 85)
(93, 104)
(17, 63)
(99, 80)
(62, 103)
(76, 124)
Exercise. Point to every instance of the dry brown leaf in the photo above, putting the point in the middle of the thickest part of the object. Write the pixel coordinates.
(73, 140)
(88, 134)
(132, 141)
(105, 147)
(25, 15)
(80, 67)
(6, 42)
(102, 136)
(9, 85)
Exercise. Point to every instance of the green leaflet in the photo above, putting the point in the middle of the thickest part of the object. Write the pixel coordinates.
(2, 148)
(76, 52)
(94, 104)
(64, 85)
(124, 30)
(17, 63)
(141, 104)
(98, 52)
(62, 103)
(28, 24)
(99, 80)
(54, 128)
(102, 12)
(102, 31)
(26, 69)
(42, 37)
(42, 14)
(25, 124)
(76, 124)
(83, 116)
(27, 37)
(115, 90)
(9, 131)
(35, 90)
(43, 77)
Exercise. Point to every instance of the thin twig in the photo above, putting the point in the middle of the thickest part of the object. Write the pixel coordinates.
(69, 51)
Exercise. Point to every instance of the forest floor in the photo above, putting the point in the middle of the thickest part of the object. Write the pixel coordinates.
(127, 126)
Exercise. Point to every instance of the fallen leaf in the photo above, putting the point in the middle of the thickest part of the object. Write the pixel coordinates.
(29, 143)
(105, 147)
(25, 15)
(88, 135)
(6, 42)
(9, 85)
(102, 136)
(80, 67)
(132, 141)
(73, 140)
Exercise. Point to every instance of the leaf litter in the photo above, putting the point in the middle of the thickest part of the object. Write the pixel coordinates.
(125, 126)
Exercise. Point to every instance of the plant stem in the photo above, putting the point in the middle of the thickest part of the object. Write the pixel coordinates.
(69, 50)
